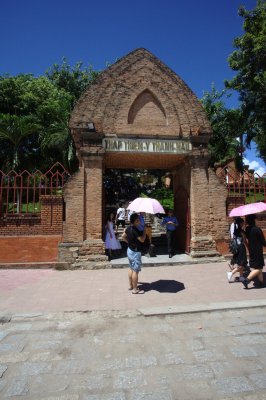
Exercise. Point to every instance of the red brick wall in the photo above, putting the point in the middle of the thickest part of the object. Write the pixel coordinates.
(234, 201)
(48, 222)
(17, 249)
(74, 194)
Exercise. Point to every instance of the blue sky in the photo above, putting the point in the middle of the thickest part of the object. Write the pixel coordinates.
(192, 37)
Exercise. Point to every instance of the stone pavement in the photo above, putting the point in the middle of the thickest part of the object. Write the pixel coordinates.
(119, 355)
(81, 335)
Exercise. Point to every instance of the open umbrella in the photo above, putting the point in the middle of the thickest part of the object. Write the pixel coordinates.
(146, 204)
(253, 208)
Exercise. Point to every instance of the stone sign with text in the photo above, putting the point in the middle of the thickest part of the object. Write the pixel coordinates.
(147, 145)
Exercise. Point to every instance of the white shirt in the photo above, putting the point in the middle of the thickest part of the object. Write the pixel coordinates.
(232, 230)
(129, 214)
(121, 213)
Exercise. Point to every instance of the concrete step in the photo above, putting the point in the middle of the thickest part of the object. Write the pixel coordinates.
(92, 257)
(90, 265)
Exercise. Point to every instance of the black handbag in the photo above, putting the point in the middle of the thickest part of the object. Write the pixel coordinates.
(144, 247)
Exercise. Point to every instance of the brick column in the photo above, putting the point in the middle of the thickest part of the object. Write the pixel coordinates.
(92, 251)
(93, 163)
(73, 226)
(202, 243)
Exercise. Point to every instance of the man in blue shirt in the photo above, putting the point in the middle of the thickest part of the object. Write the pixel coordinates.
(171, 224)
(141, 225)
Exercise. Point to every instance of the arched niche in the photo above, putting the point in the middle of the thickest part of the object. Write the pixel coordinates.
(146, 108)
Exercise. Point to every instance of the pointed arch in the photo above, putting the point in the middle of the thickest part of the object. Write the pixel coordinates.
(146, 105)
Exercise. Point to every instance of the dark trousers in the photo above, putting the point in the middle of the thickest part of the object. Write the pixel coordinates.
(170, 241)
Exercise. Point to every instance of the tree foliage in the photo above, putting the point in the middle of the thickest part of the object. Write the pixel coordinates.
(249, 60)
(18, 136)
(46, 102)
(228, 128)
(74, 80)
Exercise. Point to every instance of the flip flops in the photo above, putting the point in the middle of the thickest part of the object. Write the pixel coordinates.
(137, 291)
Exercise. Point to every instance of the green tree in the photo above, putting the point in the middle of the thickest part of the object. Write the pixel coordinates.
(74, 80)
(18, 139)
(39, 97)
(35, 99)
(228, 127)
(57, 143)
(48, 100)
(249, 60)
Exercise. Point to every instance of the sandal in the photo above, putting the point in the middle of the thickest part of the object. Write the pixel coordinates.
(137, 291)
(230, 266)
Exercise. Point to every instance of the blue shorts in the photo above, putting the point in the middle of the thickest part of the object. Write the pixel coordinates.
(134, 258)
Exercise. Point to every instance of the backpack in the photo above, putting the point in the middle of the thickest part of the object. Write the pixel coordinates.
(234, 246)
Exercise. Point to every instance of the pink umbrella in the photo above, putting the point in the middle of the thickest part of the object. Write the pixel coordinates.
(247, 209)
(146, 204)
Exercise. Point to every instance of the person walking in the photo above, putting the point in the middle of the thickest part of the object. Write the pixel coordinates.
(171, 223)
(134, 238)
(141, 224)
(256, 241)
(240, 257)
(231, 231)
(111, 241)
(120, 217)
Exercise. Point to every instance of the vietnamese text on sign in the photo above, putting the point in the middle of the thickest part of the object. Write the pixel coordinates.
(150, 146)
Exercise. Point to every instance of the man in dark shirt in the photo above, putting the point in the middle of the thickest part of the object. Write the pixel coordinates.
(256, 241)
(134, 238)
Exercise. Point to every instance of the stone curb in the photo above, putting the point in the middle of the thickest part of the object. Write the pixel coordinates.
(35, 265)
(61, 266)
(6, 317)
(173, 263)
(197, 308)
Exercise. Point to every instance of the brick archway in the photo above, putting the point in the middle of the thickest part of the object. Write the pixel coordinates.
(144, 116)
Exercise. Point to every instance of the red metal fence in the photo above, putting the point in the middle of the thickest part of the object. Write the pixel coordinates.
(248, 185)
(20, 192)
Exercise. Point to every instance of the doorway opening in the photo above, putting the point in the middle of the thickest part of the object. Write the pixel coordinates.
(121, 186)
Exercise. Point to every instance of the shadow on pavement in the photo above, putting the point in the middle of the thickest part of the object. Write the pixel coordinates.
(162, 286)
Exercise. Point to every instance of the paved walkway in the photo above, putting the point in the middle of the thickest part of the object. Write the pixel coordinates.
(165, 287)
(49, 351)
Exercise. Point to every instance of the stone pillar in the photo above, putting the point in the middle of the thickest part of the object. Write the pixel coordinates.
(83, 247)
(93, 163)
(73, 226)
(91, 254)
(202, 242)
(73, 193)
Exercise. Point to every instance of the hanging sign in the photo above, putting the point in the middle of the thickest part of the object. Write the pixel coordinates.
(146, 146)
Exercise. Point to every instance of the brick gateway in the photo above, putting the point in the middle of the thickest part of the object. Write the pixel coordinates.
(140, 114)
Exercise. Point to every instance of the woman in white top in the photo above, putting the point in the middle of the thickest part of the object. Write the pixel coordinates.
(120, 216)
(111, 242)
(239, 260)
